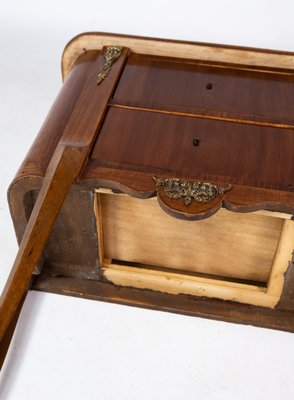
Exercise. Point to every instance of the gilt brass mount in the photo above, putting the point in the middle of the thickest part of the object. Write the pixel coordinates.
(111, 54)
(202, 192)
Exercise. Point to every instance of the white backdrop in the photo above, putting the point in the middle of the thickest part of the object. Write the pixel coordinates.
(78, 349)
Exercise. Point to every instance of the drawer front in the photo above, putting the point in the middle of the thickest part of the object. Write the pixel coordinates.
(197, 148)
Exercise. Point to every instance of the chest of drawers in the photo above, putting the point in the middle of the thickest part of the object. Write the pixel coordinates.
(184, 200)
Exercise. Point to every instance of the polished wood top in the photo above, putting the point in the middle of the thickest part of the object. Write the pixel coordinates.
(212, 89)
(191, 116)
(221, 123)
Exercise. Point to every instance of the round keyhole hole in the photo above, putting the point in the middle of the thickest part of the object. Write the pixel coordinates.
(209, 86)
(196, 142)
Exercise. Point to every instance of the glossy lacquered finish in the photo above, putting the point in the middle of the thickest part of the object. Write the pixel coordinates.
(207, 122)
(226, 122)
(212, 89)
(64, 167)
(230, 152)
(214, 122)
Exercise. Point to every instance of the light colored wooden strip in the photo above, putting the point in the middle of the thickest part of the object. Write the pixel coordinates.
(143, 278)
(136, 230)
(175, 49)
(282, 259)
(274, 214)
(170, 275)
(203, 115)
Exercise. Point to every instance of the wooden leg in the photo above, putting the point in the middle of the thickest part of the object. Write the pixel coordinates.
(5, 343)
(65, 165)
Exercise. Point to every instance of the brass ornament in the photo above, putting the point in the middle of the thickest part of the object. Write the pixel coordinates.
(111, 54)
(202, 192)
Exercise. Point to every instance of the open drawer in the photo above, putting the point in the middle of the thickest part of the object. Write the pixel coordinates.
(229, 256)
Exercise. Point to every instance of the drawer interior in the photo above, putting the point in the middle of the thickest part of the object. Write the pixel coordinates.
(240, 252)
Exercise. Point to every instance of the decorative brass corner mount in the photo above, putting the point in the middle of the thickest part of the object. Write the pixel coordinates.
(202, 192)
(110, 54)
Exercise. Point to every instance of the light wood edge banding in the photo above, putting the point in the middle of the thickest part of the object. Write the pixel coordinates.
(282, 259)
(169, 48)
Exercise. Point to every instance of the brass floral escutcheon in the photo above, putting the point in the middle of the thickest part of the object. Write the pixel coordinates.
(202, 192)
(111, 54)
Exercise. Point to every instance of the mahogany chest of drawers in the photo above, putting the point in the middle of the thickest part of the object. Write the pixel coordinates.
(185, 199)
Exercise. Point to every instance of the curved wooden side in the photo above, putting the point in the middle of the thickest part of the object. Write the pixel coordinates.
(30, 175)
(21, 201)
(42, 149)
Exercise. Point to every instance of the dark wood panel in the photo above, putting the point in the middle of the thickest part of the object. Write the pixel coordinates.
(158, 82)
(181, 304)
(73, 240)
(159, 143)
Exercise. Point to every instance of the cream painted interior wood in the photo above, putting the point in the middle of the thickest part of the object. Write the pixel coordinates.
(188, 50)
(282, 258)
(174, 283)
(138, 231)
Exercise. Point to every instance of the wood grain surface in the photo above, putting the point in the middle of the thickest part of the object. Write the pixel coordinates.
(182, 304)
(221, 114)
(231, 152)
(64, 167)
(224, 245)
(212, 89)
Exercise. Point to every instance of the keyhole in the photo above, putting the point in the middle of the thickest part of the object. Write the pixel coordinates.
(196, 142)
(209, 86)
